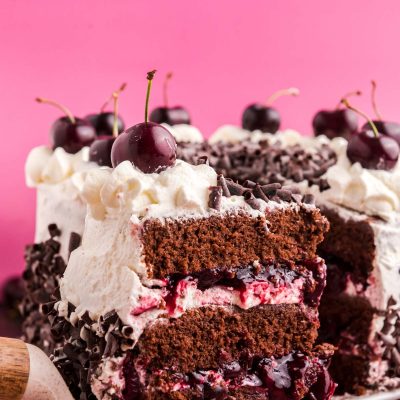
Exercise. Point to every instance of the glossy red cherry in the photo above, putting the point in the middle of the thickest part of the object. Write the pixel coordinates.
(373, 152)
(263, 117)
(149, 146)
(100, 150)
(169, 115)
(370, 148)
(336, 123)
(69, 132)
(391, 129)
(104, 121)
(72, 137)
(260, 117)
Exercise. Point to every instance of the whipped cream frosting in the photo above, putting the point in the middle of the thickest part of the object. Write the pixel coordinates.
(58, 177)
(369, 191)
(178, 191)
(46, 166)
(185, 133)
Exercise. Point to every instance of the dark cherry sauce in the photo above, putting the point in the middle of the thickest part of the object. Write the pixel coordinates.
(286, 378)
(274, 274)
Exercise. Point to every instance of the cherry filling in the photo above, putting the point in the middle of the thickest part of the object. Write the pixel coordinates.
(254, 279)
(286, 378)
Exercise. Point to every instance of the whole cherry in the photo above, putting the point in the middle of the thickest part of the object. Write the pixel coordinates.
(263, 117)
(69, 132)
(149, 146)
(370, 148)
(391, 129)
(336, 123)
(100, 149)
(104, 121)
(169, 115)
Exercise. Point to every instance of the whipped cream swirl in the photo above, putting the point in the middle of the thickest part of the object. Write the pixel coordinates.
(369, 191)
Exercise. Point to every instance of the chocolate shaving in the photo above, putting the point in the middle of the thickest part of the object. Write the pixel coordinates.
(74, 242)
(215, 197)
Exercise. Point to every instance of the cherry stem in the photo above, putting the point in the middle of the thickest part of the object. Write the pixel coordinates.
(346, 96)
(283, 92)
(165, 91)
(64, 109)
(115, 96)
(373, 100)
(121, 88)
(369, 120)
(150, 76)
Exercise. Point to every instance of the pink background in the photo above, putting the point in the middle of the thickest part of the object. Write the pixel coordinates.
(224, 54)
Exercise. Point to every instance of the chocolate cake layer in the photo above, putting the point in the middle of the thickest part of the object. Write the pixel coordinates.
(198, 338)
(351, 241)
(208, 243)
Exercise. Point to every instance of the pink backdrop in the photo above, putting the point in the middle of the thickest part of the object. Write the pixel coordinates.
(224, 53)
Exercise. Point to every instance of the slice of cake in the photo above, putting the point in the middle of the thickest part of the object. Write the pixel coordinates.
(191, 286)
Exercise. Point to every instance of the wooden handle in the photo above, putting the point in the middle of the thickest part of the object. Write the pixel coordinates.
(14, 368)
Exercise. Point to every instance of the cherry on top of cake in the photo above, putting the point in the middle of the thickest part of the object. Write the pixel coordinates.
(388, 128)
(72, 133)
(263, 117)
(339, 122)
(166, 114)
(371, 148)
(108, 128)
(149, 146)
(69, 132)
(106, 122)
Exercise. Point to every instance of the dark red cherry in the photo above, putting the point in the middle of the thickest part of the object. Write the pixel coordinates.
(149, 146)
(100, 151)
(69, 132)
(104, 123)
(335, 123)
(391, 129)
(372, 151)
(263, 117)
(260, 117)
(72, 136)
(170, 115)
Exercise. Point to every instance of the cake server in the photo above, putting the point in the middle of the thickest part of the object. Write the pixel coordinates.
(27, 373)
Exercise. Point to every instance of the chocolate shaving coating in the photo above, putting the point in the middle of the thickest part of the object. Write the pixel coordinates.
(262, 168)
(44, 267)
(262, 162)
